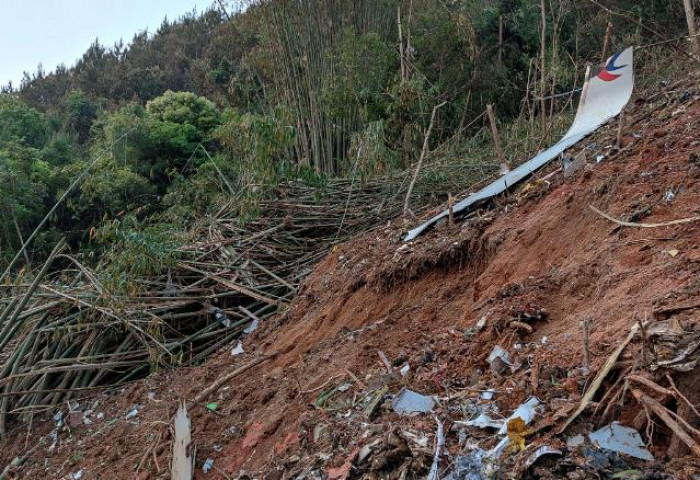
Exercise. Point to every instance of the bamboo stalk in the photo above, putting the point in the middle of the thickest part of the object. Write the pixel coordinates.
(505, 165)
(690, 18)
(424, 151)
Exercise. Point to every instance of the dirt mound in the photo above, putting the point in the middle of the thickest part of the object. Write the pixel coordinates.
(523, 274)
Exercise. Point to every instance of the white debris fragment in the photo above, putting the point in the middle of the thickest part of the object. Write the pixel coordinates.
(133, 412)
(252, 327)
(483, 421)
(488, 394)
(621, 439)
(576, 441)
(408, 402)
(543, 450)
(238, 350)
(499, 352)
(525, 411)
(58, 419)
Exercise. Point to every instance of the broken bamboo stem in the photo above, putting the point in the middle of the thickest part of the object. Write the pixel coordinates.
(598, 381)
(423, 153)
(221, 381)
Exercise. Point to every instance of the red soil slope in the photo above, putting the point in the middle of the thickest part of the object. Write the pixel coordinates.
(541, 258)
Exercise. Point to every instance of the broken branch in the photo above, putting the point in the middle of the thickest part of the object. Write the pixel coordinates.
(643, 225)
(664, 415)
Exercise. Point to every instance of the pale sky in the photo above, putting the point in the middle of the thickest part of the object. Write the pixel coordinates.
(59, 31)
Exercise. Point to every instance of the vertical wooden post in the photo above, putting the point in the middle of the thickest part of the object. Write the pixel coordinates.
(505, 166)
(690, 18)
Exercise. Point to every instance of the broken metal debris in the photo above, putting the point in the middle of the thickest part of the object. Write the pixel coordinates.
(575, 441)
(499, 360)
(439, 445)
(408, 402)
(621, 439)
(468, 467)
(238, 349)
(540, 452)
(483, 421)
(133, 412)
(525, 411)
(673, 347)
(600, 101)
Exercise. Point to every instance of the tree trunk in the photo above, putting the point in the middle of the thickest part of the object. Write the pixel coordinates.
(690, 17)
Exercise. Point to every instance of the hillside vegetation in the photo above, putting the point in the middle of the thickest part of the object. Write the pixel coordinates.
(216, 109)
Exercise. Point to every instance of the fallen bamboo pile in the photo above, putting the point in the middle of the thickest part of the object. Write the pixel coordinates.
(63, 332)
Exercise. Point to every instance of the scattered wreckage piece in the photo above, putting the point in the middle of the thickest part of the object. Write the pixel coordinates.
(621, 439)
(601, 100)
(408, 402)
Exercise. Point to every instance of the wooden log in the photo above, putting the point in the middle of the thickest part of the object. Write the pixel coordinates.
(182, 466)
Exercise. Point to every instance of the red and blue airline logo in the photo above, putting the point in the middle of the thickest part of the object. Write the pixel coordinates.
(607, 74)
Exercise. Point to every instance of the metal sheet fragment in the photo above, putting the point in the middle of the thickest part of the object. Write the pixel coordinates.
(602, 99)
(621, 439)
(408, 402)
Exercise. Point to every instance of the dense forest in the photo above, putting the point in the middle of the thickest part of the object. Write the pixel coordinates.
(141, 140)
